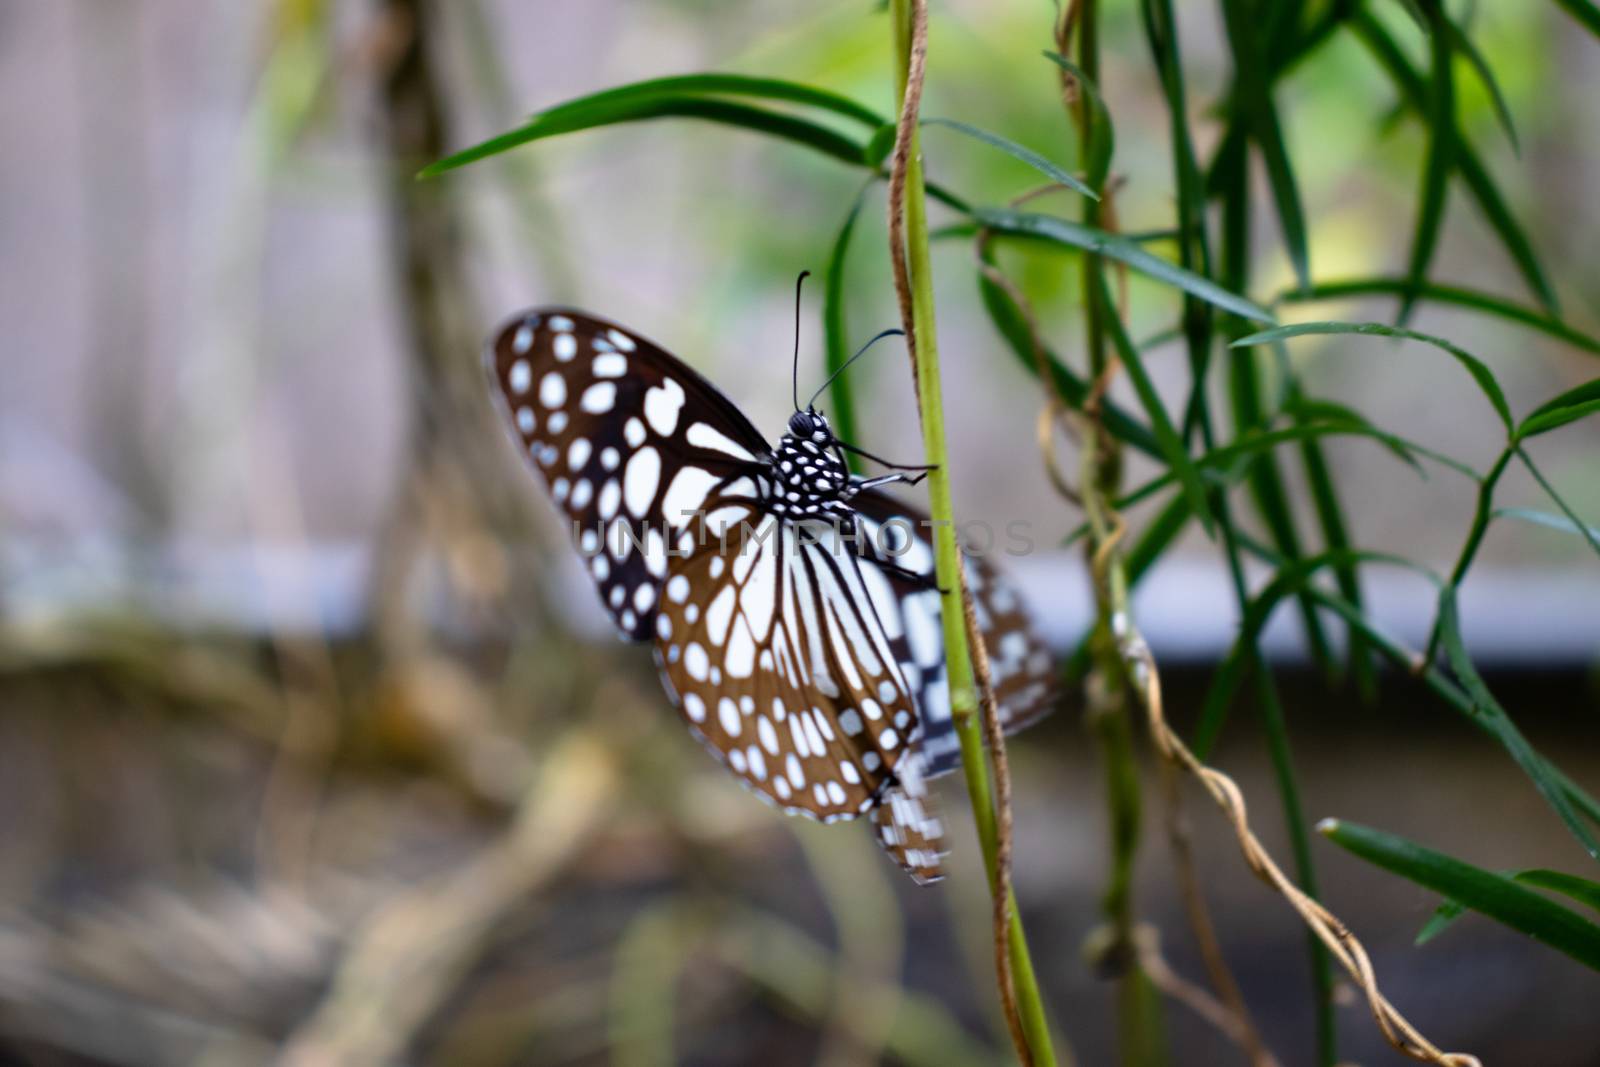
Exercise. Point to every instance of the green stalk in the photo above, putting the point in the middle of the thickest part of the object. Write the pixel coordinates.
(947, 558)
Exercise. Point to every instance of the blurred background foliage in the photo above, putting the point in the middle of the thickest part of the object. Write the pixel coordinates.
(312, 749)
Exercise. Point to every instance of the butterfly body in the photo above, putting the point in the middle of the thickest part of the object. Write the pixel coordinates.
(798, 638)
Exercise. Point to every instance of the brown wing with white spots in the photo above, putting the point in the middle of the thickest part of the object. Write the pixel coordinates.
(777, 660)
(628, 439)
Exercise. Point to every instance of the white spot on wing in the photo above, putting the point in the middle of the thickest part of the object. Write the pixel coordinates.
(553, 390)
(704, 435)
(641, 479)
(566, 346)
(521, 375)
(661, 406)
(599, 398)
(610, 365)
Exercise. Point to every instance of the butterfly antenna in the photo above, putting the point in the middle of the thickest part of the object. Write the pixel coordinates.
(846, 366)
(794, 384)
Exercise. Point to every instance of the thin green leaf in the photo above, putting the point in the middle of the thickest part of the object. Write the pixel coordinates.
(1336, 538)
(1578, 395)
(1487, 303)
(1584, 11)
(1579, 889)
(1016, 151)
(1489, 713)
(1476, 367)
(1285, 190)
(1546, 519)
(1483, 891)
(1291, 578)
(1550, 491)
(726, 112)
(1102, 134)
(1393, 60)
(841, 397)
(1090, 239)
(717, 84)
(1570, 406)
(1465, 45)
(1013, 327)
(1172, 449)
(1440, 119)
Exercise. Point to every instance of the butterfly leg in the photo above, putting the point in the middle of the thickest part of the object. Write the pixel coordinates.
(884, 462)
(858, 485)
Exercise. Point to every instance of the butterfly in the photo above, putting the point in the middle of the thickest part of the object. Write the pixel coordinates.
(791, 605)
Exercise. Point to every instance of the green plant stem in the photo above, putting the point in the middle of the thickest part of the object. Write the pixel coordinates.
(947, 559)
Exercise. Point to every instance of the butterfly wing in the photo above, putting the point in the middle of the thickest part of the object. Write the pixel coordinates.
(772, 650)
(630, 441)
(907, 599)
(1023, 670)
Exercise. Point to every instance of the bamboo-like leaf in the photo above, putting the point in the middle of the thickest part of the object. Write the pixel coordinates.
(1550, 491)
(1090, 239)
(1458, 296)
(1584, 11)
(1172, 449)
(1292, 577)
(1490, 714)
(1102, 134)
(1016, 151)
(841, 397)
(718, 84)
(1479, 183)
(1475, 58)
(1554, 522)
(1476, 367)
(1491, 894)
(1440, 118)
(1285, 190)
(1570, 885)
(571, 119)
(1570, 406)
(1073, 390)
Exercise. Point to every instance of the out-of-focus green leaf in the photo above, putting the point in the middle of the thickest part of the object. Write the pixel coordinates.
(1440, 118)
(1090, 239)
(1491, 894)
(1291, 578)
(1544, 483)
(1172, 449)
(1584, 11)
(571, 119)
(1570, 406)
(1102, 134)
(1476, 367)
(716, 84)
(1016, 151)
(1479, 183)
(1465, 45)
(1546, 519)
(841, 396)
(1073, 390)
(1492, 716)
(1487, 303)
(1579, 889)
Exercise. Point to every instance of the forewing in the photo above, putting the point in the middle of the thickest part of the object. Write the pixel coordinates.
(1023, 670)
(629, 441)
(770, 647)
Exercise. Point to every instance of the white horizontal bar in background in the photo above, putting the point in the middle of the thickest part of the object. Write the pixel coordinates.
(1184, 607)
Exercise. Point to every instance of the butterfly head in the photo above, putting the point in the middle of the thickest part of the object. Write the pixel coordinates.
(810, 425)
